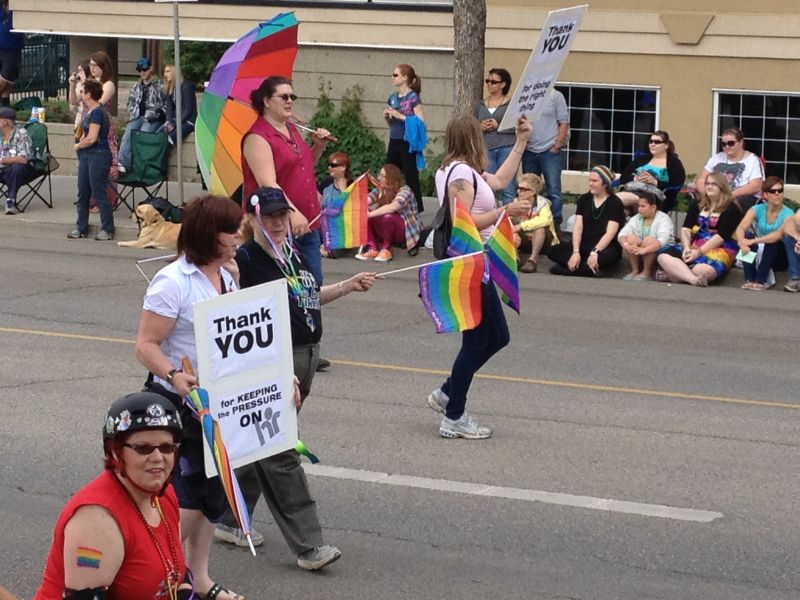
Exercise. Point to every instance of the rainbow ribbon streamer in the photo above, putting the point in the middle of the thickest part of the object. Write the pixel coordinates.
(344, 220)
(451, 292)
(502, 259)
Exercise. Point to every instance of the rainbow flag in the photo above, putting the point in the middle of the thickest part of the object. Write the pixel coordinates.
(451, 292)
(464, 237)
(502, 257)
(344, 220)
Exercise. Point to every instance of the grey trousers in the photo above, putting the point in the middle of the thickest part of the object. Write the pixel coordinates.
(282, 480)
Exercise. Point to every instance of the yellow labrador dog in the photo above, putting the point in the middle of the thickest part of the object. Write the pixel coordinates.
(155, 232)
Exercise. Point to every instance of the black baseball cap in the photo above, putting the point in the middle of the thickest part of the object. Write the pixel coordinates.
(8, 113)
(269, 199)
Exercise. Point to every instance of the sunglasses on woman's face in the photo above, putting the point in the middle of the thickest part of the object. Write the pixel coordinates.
(654, 141)
(728, 144)
(147, 449)
(775, 191)
(333, 165)
(492, 81)
(524, 189)
(285, 97)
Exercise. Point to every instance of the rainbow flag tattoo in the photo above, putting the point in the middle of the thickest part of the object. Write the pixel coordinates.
(464, 236)
(451, 292)
(344, 220)
(89, 557)
(502, 257)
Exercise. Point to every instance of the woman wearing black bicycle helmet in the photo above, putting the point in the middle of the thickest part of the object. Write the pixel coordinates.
(118, 536)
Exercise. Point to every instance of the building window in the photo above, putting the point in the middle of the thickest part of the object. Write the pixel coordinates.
(771, 126)
(608, 125)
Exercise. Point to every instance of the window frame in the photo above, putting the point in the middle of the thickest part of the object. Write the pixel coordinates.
(614, 86)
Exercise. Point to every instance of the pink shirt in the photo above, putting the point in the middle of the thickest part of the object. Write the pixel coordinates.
(294, 168)
(484, 195)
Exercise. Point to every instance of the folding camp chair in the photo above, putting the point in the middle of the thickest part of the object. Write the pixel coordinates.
(43, 164)
(149, 170)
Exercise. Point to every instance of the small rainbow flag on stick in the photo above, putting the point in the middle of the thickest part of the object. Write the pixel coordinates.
(502, 255)
(451, 292)
(344, 220)
(464, 236)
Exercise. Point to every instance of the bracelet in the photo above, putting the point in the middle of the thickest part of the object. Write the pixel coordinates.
(341, 289)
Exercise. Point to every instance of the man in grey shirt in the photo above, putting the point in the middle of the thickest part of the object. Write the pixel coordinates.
(543, 154)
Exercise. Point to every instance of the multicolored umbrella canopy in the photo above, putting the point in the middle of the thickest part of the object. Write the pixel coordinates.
(225, 115)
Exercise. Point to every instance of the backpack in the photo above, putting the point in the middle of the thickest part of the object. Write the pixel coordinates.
(170, 212)
(442, 224)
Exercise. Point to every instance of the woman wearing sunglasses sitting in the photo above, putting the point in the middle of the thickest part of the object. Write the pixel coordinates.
(537, 227)
(766, 221)
(742, 169)
(119, 536)
(657, 165)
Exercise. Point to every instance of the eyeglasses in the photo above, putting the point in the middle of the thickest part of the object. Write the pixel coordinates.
(285, 97)
(654, 141)
(147, 449)
(728, 144)
(775, 191)
(524, 189)
(712, 184)
(93, 64)
(334, 165)
(492, 81)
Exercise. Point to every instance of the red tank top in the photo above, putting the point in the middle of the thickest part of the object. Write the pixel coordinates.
(141, 574)
(294, 168)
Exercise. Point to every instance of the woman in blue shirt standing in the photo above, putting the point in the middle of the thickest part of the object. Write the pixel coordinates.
(404, 103)
(94, 161)
(767, 221)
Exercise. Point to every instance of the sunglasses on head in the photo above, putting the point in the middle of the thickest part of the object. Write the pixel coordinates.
(775, 191)
(655, 141)
(146, 449)
(728, 144)
(285, 97)
(492, 81)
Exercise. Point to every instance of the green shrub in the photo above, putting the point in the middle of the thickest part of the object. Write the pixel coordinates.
(366, 150)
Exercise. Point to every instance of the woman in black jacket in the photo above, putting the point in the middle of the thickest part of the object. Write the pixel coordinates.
(658, 166)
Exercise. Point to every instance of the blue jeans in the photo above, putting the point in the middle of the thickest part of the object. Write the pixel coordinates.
(759, 272)
(93, 166)
(308, 245)
(477, 347)
(137, 124)
(792, 256)
(549, 165)
(15, 176)
(497, 156)
(187, 127)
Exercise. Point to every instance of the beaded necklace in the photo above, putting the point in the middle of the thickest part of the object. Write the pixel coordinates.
(173, 576)
(599, 213)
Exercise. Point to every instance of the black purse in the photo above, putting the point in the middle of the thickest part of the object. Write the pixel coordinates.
(442, 224)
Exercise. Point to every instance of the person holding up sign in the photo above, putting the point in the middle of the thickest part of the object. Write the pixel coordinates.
(269, 256)
(207, 243)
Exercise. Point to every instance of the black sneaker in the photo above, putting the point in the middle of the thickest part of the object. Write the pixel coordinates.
(323, 365)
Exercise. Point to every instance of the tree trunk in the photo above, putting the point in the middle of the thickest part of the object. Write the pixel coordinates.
(469, 34)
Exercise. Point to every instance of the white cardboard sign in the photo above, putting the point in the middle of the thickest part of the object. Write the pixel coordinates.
(245, 362)
(544, 64)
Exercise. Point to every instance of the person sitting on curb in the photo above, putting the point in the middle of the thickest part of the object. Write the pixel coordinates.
(146, 109)
(646, 233)
(791, 240)
(15, 154)
(538, 226)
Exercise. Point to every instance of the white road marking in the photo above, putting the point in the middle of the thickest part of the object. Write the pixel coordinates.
(478, 489)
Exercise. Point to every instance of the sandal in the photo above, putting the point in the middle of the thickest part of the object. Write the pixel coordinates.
(216, 590)
(756, 287)
(528, 267)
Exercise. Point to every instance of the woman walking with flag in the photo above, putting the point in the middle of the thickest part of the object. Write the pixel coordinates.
(461, 179)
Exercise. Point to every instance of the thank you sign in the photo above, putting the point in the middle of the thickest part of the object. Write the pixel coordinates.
(244, 359)
(544, 65)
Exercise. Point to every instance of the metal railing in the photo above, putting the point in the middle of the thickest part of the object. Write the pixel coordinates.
(44, 67)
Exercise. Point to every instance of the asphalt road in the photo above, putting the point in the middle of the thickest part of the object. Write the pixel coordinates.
(676, 405)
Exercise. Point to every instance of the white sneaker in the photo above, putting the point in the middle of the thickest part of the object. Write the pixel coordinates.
(438, 400)
(235, 536)
(465, 427)
(316, 558)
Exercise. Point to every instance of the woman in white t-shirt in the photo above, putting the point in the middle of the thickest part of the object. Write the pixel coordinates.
(742, 169)
(463, 173)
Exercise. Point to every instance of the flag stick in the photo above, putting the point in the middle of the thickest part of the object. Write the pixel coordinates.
(433, 262)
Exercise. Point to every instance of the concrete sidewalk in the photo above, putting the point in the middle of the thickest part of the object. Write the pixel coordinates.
(63, 211)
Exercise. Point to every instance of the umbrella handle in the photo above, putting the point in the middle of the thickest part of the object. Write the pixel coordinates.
(186, 365)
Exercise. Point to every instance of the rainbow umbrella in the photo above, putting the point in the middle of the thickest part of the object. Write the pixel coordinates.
(200, 403)
(224, 114)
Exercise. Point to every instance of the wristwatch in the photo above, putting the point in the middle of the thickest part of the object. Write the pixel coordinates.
(171, 376)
